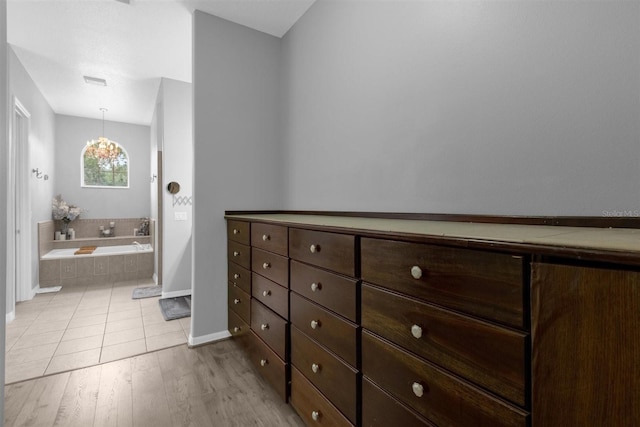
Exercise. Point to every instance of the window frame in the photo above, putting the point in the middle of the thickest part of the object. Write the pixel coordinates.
(83, 184)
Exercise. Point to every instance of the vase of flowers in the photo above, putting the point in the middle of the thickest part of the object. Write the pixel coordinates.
(64, 212)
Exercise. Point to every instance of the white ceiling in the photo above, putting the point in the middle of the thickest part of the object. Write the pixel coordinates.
(131, 46)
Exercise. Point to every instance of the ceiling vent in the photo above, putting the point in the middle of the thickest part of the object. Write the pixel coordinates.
(95, 81)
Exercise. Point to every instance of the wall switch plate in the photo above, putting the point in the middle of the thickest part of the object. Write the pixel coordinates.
(180, 216)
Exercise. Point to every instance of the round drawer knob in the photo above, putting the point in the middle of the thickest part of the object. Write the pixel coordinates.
(315, 415)
(236, 276)
(266, 293)
(264, 326)
(236, 329)
(315, 368)
(416, 272)
(315, 287)
(314, 248)
(264, 362)
(418, 389)
(416, 331)
(315, 324)
(236, 231)
(266, 265)
(265, 237)
(236, 253)
(236, 301)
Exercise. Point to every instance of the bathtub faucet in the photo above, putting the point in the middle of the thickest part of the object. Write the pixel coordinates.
(138, 245)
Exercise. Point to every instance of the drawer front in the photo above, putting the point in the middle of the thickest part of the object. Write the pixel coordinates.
(238, 231)
(379, 409)
(337, 293)
(240, 302)
(270, 327)
(338, 335)
(270, 366)
(241, 277)
(237, 327)
(239, 253)
(271, 266)
(272, 238)
(334, 378)
(328, 250)
(484, 353)
(312, 406)
(271, 294)
(440, 397)
(485, 284)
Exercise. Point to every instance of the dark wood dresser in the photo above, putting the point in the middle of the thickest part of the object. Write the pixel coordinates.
(432, 320)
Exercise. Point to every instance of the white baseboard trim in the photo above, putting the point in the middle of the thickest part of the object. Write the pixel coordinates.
(11, 316)
(206, 339)
(176, 293)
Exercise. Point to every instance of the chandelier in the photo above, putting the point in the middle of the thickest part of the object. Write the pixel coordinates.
(103, 148)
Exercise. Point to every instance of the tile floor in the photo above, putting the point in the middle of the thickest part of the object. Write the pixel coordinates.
(82, 326)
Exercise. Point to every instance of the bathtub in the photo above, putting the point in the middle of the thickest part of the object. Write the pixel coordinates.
(100, 251)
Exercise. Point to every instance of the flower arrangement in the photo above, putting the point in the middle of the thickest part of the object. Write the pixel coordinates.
(60, 210)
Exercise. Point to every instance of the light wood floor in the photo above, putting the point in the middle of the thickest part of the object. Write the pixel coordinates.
(213, 385)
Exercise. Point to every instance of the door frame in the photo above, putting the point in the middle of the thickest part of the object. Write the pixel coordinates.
(19, 278)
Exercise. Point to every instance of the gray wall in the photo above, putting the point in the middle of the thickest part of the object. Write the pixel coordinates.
(42, 128)
(238, 160)
(72, 134)
(4, 101)
(464, 107)
(177, 149)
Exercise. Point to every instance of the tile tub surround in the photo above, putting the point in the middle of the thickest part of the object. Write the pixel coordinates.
(87, 270)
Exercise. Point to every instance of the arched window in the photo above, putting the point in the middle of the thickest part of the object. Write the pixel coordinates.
(104, 164)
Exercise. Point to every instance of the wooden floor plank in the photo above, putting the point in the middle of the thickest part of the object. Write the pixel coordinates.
(15, 397)
(78, 405)
(41, 405)
(150, 405)
(115, 396)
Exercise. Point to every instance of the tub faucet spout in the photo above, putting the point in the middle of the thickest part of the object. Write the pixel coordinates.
(138, 245)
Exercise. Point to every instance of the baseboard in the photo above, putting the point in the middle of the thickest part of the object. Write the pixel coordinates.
(11, 316)
(206, 339)
(175, 294)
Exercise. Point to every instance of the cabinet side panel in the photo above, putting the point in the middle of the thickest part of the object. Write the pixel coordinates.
(585, 343)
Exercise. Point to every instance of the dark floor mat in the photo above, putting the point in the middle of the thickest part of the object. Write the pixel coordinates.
(175, 308)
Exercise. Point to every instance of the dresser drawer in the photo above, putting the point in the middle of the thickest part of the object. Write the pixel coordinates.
(440, 397)
(237, 327)
(239, 302)
(334, 378)
(271, 266)
(241, 277)
(312, 406)
(328, 250)
(337, 293)
(239, 253)
(484, 353)
(379, 409)
(271, 294)
(485, 284)
(270, 366)
(272, 238)
(238, 231)
(270, 327)
(338, 335)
